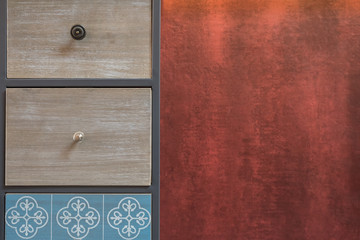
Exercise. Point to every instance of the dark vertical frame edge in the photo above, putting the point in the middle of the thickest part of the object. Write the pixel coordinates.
(3, 45)
(156, 35)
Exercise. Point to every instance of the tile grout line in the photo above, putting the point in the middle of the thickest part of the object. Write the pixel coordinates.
(103, 230)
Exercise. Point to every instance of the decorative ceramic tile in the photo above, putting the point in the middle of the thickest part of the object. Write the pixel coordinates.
(129, 218)
(28, 217)
(78, 217)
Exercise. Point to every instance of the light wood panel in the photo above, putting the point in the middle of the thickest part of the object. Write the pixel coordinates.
(40, 123)
(117, 43)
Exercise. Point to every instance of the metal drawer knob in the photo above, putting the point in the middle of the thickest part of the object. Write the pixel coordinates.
(78, 136)
(78, 32)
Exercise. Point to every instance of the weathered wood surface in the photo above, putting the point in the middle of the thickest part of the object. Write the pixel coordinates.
(117, 44)
(40, 124)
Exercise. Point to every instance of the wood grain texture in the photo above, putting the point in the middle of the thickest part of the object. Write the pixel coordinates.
(117, 44)
(40, 124)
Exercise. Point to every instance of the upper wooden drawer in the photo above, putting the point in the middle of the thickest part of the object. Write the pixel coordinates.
(117, 42)
(41, 124)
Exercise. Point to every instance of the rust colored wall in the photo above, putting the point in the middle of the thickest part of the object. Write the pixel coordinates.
(260, 121)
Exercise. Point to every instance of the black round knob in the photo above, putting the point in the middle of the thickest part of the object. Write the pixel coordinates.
(78, 32)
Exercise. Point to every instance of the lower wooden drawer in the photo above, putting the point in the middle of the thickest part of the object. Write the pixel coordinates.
(65, 216)
(78, 136)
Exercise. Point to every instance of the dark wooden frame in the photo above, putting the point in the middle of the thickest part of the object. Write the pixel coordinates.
(153, 83)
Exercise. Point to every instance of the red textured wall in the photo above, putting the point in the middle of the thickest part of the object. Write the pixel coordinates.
(260, 119)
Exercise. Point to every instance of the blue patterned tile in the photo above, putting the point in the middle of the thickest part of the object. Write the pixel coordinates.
(128, 217)
(78, 217)
(27, 217)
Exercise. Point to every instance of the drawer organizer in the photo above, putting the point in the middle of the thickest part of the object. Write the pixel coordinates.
(80, 109)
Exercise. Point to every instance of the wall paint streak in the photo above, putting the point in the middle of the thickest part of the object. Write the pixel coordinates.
(260, 119)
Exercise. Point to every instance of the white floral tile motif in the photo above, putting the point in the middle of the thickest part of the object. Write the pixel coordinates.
(129, 218)
(78, 218)
(26, 217)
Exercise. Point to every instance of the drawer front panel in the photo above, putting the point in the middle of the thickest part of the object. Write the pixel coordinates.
(90, 216)
(117, 43)
(41, 144)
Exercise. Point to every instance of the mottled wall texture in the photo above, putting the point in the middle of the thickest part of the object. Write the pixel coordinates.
(260, 121)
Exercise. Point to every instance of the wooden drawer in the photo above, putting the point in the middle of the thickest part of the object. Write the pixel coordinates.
(40, 126)
(117, 42)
